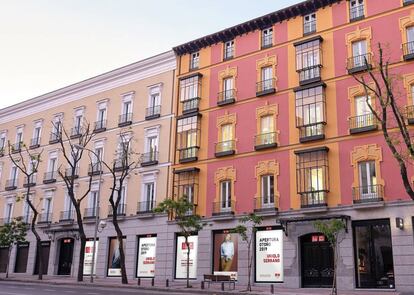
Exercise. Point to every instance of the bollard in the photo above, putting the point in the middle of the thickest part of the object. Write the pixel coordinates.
(139, 281)
(167, 283)
(272, 289)
(152, 282)
(202, 285)
(222, 286)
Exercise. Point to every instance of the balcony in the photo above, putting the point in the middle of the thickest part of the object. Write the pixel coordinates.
(121, 210)
(89, 213)
(224, 208)
(408, 2)
(34, 143)
(225, 148)
(44, 218)
(191, 105)
(71, 173)
(95, 169)
(265, 87)
(226, 97)
(408, 51)
(309, 27)
(189, 154)
(55, 137)
(313, 199)
(76, 132)
(125, 120)
(368, 193)
(67, 216)
(149, 159)
(312, 132)
(152, 112)
(50, 177)
(11, 184)
(99, 126)
(265, 141)
(410, 114)
(309, 75)
(146, 207)
(30, 181)
(359, 63)
(267, 41)
(362, 123)
(119, 165)
(265, 204)
(16, 147)
(356, 13)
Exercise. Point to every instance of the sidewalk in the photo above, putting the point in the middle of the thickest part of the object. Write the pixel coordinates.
(180, 286)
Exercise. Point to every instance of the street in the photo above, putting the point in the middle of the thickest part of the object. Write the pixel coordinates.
(16, 288)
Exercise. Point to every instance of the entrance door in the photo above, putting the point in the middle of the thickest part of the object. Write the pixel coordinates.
(317, 261)
(21, 258)
(373, 254)
(65, 256)
(4, 258)
(45, 258)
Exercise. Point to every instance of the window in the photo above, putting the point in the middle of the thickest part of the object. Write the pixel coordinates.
(225, 195)
(408, 48)
(194, 60)
(37, 131)
(149, 201)
(51, 174)
(363, 115)
(266, 85)
(188, 134)
(312, 176)
(46, 215)
(8, 211)
(227, 137)
(267, 75)
(18, 141)
(100, 124)
(229, 49)
(2, 143)
(56, 128)
(151, 147)
(67, 214)
(267, 134)
(359, 51)
(308, 61)
(190, 93)
(356, 11)
(126, 117)
(368, 189)
(267, 38)
(91, 211)
(154, 103)
(185, 184)
(27, 211)
(309, 23)
(12, 182)
(267, 190)
(310, 113)
(408, 2)
(228, 89)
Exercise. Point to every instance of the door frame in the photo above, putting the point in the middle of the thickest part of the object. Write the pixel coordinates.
(60, 254)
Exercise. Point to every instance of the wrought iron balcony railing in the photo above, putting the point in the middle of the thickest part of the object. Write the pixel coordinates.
(125, 120)
(121, 211)
(309, 27)
(363, 123)
(226, 97)
(224, 207)
(99, 126)
(146, 207)
(153, 112)
(368, 193)
(265, 87)
(408, 50)
(71, 173)
(76, 132)
(16, 147)
(11, 184)
(50, 177)
(312, 132)
(356, 13)
(95, 169)
(409, 112)
(267, 41)
(225, 148)
(191, 105)
(359, 63)
(265, 204)
(265, 140)
(44, 218)
(34, 143)
(55, 137)
(30, 181)
(313, 198)
(67, 215)
(90, 213)
(149, 159)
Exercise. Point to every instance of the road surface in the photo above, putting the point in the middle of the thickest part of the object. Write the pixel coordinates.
(16, 288)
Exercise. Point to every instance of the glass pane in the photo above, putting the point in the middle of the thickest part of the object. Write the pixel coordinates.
(410, 34)
(267, 124)
(227, 132)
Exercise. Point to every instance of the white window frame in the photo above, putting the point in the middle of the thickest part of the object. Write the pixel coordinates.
(266, 191)
(8, 214)
(194, 60)
(57, 122)
(308, 20)
(128, 98)
(19, 134)
(152, 91)
(3, 140)
(225, 195)
(265, 37)
(227, 52)
(101, 105)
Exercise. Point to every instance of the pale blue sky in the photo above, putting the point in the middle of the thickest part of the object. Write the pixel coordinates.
(49, 44)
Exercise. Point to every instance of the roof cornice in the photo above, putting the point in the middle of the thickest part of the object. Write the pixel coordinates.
(262, 22)
(136, 71)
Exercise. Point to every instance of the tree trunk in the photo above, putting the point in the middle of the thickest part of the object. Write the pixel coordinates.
(120, 236)
(188, 261)
(38, 246)
(249, 268)
(8, 261)
(82, 238)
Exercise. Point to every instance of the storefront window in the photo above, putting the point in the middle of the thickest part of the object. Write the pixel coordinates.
(373, 254)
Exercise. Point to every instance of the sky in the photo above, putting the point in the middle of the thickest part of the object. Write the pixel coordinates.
(49, 44)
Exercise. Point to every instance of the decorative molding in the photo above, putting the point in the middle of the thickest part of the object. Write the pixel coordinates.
(406, 21)
(369, 152)
(137, 71)
(269, 167)
(225, 173)
(357, 91)
(226, 119)
(225, 74)
(267, 61)
(357, 35)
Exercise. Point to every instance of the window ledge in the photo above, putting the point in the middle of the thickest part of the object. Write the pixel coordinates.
(226, 102)
(360, 69)
(35, 146)
(355, 19)
(53, 141)
(224, 154)
(411, 121)
(188, 160)
(152, 117)
(48, 181)
(312, 138)
(369, 203)
(310, 81)
(265, 146)
(408, 57)
(149, 163)
(266, 92)
(266, 46)
(408, 3)
(363, 129)
(99, 130)
(123, 124)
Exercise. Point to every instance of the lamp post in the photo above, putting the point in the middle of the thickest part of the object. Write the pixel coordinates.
(95, 235)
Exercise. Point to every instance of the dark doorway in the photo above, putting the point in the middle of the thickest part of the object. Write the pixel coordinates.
(45, 258)
(317, 261)
(4, 258)
(22, 254)
(65, 256)
(374, 265)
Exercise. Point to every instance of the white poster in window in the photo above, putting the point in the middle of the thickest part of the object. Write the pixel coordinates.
(181, 258)
(269, 256)
(87, 262)
(146, 257)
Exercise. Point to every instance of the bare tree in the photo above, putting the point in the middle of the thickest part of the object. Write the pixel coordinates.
(80, 136)
(121, 167)
(29, 171)
(381, 84)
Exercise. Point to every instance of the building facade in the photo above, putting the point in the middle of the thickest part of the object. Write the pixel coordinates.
(134, 101)
(270, 120)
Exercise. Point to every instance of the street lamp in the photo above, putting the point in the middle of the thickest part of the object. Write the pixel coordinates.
(97, 223)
